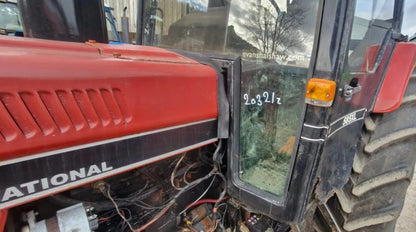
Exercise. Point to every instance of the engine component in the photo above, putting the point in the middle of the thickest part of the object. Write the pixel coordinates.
(74, 218)
(257, 224)
(200, 218)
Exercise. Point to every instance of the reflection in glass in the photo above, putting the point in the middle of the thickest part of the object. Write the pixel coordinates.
(111, 29)
(274, 39)
(371, 22)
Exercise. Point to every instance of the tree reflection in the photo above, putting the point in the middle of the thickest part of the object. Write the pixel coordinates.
(274, 31)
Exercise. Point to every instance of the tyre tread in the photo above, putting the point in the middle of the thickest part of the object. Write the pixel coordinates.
(373, 198)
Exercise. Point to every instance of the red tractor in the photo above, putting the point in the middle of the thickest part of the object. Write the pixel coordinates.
(238, 115)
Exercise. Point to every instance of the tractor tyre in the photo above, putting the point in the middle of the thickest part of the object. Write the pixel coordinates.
(383, 167)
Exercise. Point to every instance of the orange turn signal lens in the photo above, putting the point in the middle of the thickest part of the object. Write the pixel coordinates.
(320, 92)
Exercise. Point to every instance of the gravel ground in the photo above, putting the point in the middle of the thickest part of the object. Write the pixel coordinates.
(407, 220)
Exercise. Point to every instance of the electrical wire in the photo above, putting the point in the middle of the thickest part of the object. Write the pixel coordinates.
(203, 201)
(142, 205)
(191, 228)
(133, 199)
(218, 155)
(224, 191)
(173, 200)
(214, 171)
(159, 215)
(199, 198)
(217, 158)
(118, 210)
(140, 191)
(213, 228)
(172, 176)
(110, 214)
(186, 172)
(223, 213)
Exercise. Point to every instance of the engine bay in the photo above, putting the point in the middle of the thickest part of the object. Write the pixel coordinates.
(186, 192)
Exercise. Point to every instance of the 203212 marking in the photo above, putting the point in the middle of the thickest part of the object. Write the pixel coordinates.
(260, 99)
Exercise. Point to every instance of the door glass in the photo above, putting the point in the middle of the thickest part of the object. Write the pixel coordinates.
(372, 20)
(275, 40)
(409, 25)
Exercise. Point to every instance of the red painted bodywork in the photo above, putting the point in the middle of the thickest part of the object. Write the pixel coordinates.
(3, 219)
(396, 78)
(60, 94)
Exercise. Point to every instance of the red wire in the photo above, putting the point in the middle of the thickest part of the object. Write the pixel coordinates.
(159, 215)
(122, 212)
(106, 218)
(205, 201)
(103, 219)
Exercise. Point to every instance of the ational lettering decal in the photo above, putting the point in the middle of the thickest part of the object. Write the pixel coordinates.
(38, 185)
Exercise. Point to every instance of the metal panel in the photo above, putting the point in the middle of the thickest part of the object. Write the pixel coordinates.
(73, 218)
(92, 92)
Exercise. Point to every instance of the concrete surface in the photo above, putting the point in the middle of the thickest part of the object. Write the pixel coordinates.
(407, 219)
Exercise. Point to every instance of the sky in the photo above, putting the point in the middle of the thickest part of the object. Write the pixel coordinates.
(376, 9)
(201, 5)
(384, 10)
(409, 18)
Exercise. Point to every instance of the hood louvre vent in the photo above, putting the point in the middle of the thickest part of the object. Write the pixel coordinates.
(31, 113)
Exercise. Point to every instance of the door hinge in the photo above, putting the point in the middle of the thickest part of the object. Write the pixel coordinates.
(399, 37)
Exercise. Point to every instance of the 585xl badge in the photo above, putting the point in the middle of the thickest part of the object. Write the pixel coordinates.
(346, 120)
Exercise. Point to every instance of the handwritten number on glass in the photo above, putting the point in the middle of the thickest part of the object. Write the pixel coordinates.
(266, 98)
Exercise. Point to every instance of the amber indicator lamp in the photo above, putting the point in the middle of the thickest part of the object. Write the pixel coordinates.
(320, 92)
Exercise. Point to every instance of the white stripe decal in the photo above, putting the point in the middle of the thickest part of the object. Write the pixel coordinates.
(312, 140)
(315, 127)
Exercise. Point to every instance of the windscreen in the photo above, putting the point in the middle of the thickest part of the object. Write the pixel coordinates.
(10, 17)
(274, 38)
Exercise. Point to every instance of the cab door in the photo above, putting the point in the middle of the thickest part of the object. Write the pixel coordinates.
(272, 155)
(287, 149)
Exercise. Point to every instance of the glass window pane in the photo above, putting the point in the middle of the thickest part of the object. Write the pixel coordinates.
(196, 25)
(111, 30)
(10, 17)
(371, 23)
(274, 74)
(409, 21)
